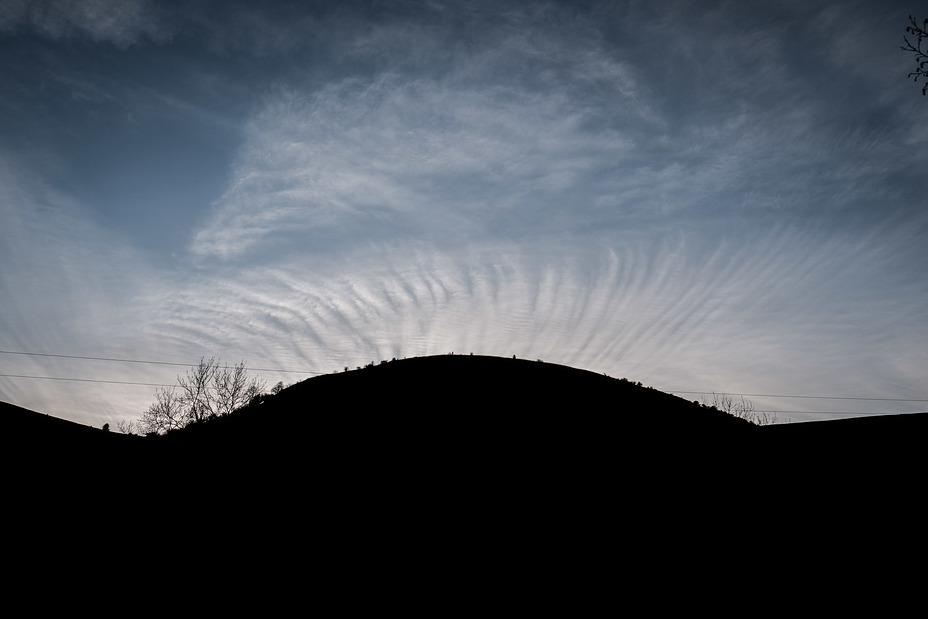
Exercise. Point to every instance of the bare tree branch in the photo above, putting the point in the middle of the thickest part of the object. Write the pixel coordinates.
(195, 391)
(234, 389)
(919, 34)
(165, 414)
(742, 408)
(206, 391)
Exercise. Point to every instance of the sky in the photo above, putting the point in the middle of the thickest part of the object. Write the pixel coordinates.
(701, 196)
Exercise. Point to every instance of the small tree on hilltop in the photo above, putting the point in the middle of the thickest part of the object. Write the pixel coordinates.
(127, 427)
(206, 391)
(741, 408)
(166, 413)
(199, 403)
(233, 389)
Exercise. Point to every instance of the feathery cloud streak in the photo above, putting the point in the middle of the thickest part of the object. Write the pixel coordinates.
(694, 195)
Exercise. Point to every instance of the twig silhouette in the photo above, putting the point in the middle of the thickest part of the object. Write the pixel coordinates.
(919, 34)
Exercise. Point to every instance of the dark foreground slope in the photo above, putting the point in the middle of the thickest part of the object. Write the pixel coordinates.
(430, 422)
(453, 398)
(449, 412)
(458, 480)
(411, 424)
(36, 444)
(451, 409)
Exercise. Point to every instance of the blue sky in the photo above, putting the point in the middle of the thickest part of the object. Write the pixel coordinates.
(701, 196)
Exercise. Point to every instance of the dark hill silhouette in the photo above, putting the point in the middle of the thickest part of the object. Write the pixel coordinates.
(445, 406)
(476, 395)
(31, 439)
(19, 422)
(417, 420)
(514, 406)
(464, 475)
(442, 411)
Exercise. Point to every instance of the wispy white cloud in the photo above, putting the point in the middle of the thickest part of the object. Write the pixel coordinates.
(777, 311)
(666, 194)
(121, 22)
(533, 128)
(68, 287)
(408, 156)
(560, 215)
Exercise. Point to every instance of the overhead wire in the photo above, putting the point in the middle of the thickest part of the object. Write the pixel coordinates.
(174, 363)
(86, 380)
(119, 360)
(805, 397)
(281, 370)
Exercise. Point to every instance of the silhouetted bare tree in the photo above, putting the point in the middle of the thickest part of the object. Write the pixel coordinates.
(919, 34)
(127, 427)
(195, 391)
(166, 413)
(741, 408)
(233, 389)
(208, 390)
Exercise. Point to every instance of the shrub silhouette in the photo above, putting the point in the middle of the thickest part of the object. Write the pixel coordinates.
(207, 391)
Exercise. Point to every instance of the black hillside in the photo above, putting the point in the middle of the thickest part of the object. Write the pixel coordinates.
(411, 418)
(464, 467)
(454, 400)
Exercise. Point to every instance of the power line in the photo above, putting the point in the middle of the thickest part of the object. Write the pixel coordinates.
(123, 382)
(805, 397)
(838, 413)
(39, 354)
(179, 364)
(85, 380)
(784, 412)
(188, 365)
